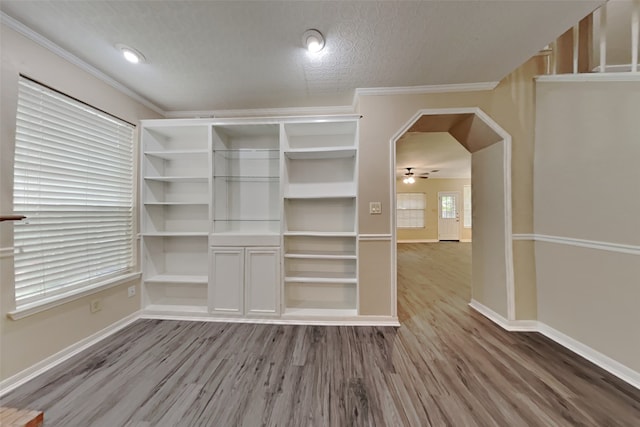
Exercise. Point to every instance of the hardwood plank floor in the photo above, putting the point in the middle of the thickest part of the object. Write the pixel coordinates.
(445, 366)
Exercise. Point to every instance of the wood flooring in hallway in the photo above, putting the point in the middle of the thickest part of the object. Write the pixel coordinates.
(445, 366)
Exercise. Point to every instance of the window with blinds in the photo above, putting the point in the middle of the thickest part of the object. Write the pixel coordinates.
(410, 210)
(466, 221)
(73, 179)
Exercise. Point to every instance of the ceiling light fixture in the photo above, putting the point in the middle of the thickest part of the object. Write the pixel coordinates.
(130, 54)
(313, 40)
(408, 177)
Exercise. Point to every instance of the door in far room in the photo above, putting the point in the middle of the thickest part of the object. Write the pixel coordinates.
(448, 216)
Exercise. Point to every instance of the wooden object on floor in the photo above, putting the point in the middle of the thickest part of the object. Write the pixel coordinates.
(12, 217)
(12, 417)
(445, 366)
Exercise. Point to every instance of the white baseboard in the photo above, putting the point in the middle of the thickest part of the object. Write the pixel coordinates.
(465, 240)
(610, 365)
(504, 323)
(419, 241)
(311, 321)
(605, 362)
(50, 362)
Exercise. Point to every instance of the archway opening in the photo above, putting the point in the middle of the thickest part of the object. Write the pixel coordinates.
(492, 284)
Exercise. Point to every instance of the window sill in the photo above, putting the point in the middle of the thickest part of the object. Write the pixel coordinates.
(55, 301)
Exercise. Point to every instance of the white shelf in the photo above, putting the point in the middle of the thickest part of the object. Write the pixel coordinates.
(176, 234)
(177, 178)
(177, 278)
(320, 255)
(176, 170)
(165, 137)
(320, 277)
(174, 154)
(321, 153)
(320, 135)
(245, 238)
(247, 178)
(321, 233)
(301, 194)
(201, 203)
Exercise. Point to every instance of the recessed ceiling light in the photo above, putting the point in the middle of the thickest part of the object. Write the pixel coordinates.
(313, 40)
(130, 54)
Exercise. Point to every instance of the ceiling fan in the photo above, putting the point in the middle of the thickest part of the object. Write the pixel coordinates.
(409, 176)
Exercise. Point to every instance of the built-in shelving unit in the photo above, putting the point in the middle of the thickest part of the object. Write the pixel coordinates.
(175, 215)
(320, 219)
(250, 218)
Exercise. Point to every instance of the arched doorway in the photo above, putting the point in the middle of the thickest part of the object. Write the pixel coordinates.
(490, 147)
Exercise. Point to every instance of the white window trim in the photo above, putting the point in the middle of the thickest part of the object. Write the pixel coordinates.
(74, 294)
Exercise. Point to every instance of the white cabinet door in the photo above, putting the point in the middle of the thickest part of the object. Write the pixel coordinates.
(226, 287)
(262, 281)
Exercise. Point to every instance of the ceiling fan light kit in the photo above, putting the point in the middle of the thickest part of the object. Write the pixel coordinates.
(409, 177)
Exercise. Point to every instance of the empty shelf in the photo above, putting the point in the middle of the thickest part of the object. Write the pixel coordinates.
(320, 255)
(178, 278)
(320, 153)
(320, 277)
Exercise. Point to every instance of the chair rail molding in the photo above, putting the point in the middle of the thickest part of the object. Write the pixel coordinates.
(583, 243)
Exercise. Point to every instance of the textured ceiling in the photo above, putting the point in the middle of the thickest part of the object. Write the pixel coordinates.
(210, 55)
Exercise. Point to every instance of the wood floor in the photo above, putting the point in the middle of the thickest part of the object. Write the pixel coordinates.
(446, 366)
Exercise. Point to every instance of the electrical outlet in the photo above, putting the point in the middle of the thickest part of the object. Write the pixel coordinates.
(131, 291)
(95, 305)
(375, 208)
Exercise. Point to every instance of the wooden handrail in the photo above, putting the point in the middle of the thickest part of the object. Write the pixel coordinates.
(11, 217)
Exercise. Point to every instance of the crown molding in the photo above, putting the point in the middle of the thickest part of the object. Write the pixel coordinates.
(419, 90)
(262, 112)
(69, 57)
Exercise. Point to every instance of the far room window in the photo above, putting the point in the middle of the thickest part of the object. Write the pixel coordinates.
(410, 210)
(467, 206)
(74, 181)
(448, 207)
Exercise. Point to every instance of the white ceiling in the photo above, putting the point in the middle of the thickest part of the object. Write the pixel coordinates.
(428, 151)
(213, 55)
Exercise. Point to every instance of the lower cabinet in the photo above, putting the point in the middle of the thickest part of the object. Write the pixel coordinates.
(244, 281)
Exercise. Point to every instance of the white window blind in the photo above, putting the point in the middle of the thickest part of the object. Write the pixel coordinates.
(466, 221)
(410, 210)
(73, 179)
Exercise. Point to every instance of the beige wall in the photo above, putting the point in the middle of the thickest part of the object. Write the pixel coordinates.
(28, 341)
(431, 187)
(488, 267)
(587, 187)
(511, 105)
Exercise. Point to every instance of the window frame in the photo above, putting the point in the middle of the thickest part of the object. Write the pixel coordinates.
(56, 110)
(420, 211)
(466, 206)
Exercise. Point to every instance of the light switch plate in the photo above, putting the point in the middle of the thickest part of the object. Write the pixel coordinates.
(375, 208)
